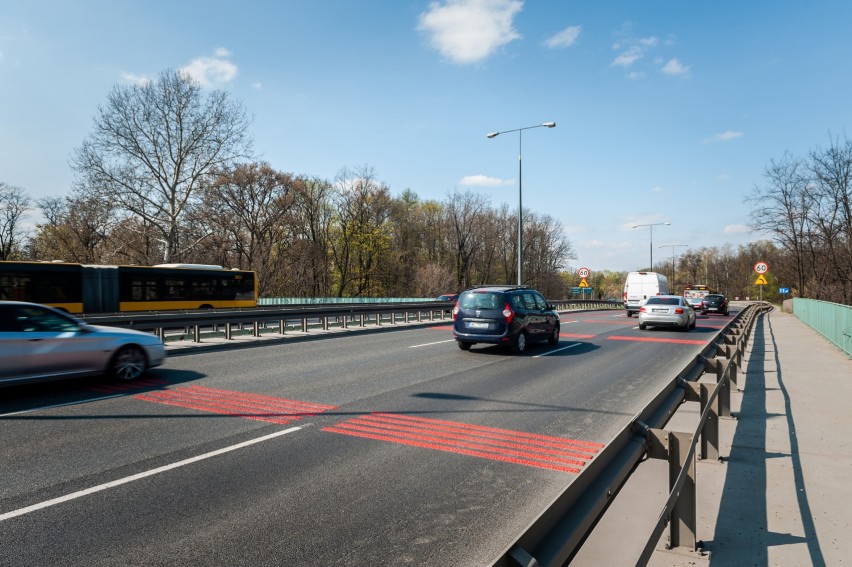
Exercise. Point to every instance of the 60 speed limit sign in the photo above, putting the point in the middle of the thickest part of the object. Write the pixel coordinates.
(583, 272)
(761, 268)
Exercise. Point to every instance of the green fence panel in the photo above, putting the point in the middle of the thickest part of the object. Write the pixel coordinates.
(831, 320)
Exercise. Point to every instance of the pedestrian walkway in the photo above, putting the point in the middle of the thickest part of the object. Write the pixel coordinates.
(782, 497)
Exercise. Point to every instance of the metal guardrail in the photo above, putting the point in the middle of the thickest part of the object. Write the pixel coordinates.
(557, 535)
(282, 318)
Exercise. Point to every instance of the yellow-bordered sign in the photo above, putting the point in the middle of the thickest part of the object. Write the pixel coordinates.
(584, 283)
(761, 280)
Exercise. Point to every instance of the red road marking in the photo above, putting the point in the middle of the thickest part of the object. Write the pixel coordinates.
(576, 336)
(237, 404)
(527, 449)
(657, 340)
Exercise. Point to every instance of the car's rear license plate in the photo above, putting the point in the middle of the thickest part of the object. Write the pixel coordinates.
(659, 310)
(476, 325)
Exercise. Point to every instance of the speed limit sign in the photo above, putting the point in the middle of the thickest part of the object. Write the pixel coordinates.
(583, 272)
(761, 268)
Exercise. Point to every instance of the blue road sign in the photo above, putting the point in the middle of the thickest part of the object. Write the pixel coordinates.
(784, 290)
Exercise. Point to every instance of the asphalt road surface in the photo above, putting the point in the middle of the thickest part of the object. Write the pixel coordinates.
(387, 448)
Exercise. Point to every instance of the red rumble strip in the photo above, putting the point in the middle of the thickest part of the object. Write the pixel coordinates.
(555, 453)
(124, 387)
(657, 340)
(237, 404)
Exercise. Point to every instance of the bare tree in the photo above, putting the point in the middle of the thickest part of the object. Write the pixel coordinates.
(14, 203)
(249, 206)
(153, 146)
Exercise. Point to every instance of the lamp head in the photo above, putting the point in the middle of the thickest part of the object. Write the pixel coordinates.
(492, 135)
(550, 124)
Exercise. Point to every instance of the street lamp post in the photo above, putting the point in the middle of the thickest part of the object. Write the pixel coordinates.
(520, 192)
(673, 259)
(651, 227)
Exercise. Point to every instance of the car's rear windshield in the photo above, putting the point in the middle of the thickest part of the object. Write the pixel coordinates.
(663, 301)
(714, 297)
(481, 300)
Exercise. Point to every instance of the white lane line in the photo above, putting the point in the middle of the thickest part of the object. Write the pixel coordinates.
(86, 401)
(430, 344)
(557, 350)
(125, 480)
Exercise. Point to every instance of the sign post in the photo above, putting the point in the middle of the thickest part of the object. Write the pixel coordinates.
(761, 268)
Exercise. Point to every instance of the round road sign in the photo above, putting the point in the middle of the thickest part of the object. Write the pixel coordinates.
(583, 272)
(761, 268)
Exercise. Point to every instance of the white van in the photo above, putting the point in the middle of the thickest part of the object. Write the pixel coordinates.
(639, 286)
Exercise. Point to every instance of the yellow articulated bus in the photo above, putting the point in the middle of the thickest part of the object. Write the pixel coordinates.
(82, 288)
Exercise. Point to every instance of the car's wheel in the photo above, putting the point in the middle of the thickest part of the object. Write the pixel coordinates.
(519, 345)
(129, 363)
(630, 314)
(642, 326)
(553, 340)
(464, 346)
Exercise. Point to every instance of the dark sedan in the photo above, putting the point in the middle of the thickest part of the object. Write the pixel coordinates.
(715, 303)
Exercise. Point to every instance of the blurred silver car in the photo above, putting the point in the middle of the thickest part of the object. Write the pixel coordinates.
(667, 310)
(41, 343)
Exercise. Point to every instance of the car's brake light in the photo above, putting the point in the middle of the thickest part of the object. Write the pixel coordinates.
(642, 310)
(679, 311)
(455, 310)
(508, 314)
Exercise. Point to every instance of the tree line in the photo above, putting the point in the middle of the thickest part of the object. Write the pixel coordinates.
(166, 176)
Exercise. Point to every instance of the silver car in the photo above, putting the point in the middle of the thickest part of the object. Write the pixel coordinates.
(41, 343)
(667, 310)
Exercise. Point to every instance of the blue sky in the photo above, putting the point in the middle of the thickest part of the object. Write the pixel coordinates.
(660, 105)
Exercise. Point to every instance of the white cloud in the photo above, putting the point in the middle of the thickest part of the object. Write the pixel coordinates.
(257, 86)
(723, 177)
(675, 68)
(139, 80)
(628, 57)
(565, 38)
(468, 31)
(483, 181)
(736, 229)
(657, 189)
(212, 72)
(725, 136)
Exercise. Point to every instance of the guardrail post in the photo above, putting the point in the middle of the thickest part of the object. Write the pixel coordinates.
(228, 331)
(393, 318)
(282, 326)
(700, 392)
(345, 323)
(361, 324)
(419, 316)
(682, 520)
(196, 334)
(325, 323)
(724, 389)
(255, 331)
(304, 324)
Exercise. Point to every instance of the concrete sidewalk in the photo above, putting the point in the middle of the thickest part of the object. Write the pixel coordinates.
(782, 496)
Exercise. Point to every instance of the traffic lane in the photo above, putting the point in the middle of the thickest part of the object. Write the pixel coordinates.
(102, 426)
(444, 497)
(533, 408)
(326, 372)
